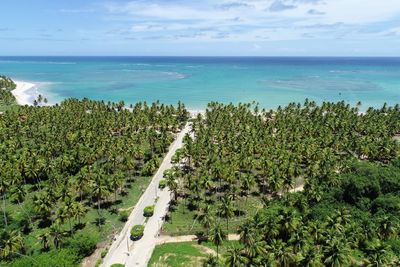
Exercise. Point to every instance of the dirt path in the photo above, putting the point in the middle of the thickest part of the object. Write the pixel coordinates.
(91, 260)
(206, 250)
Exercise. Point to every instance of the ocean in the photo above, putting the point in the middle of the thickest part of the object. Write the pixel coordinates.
(196, 81)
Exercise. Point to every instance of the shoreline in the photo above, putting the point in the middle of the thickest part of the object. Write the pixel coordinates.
(23, 93)
(26, 92)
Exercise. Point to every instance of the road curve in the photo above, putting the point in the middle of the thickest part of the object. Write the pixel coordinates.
(138, 253)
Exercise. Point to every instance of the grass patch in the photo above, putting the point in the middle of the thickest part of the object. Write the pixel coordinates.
(185, 253)
(182, 220)
(225, 245)
(175, 254)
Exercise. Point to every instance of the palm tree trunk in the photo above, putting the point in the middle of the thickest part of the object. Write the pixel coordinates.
(26, 213)
(98, 206)
(4, 210)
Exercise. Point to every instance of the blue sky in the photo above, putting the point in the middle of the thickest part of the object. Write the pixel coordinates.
(199, 28)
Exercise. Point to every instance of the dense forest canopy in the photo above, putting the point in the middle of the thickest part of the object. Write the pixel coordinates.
(355, 223)
(60, 163)
(6, 97)
(6, 83)
(240, 152)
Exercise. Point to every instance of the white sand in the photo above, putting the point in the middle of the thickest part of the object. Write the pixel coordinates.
(25, 92)
(194, 113)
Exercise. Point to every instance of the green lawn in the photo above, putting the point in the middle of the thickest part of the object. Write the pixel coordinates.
(185, 253)
(182, 220)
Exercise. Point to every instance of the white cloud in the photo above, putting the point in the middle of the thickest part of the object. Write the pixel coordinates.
(391, 32)
(252, 20)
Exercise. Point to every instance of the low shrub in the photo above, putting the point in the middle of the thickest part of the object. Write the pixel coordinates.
(98, 262)
(117, 265)
(148, 211)
(84, 243)
(123, 216)
(137, 232)
(162, 184)
(104, 253)
(62, 257)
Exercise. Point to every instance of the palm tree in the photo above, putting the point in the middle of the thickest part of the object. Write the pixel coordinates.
(42, 204)
(234, 257)
(311, 258)
(210, 261)
(206, 218)
(61, 214)
(56, 234)
(280, 252)
(246, 232)
(226, 210)
(336, 254)
(247, 182)
(10, 243)
(378, 254)
(3, 192)
(82, 180)
(44, 240)
(217, 236)
(99, 188)
(290, 222)
(78, 211)
(387, 227)
(172, 185)
(256, 249)
(116, 181)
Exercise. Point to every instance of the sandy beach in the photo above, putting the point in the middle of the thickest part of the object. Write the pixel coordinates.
(25, 92)
(194, 113)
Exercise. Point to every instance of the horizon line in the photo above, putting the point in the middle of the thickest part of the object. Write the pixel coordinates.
(202, 56)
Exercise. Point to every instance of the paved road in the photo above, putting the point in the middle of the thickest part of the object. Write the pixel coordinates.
(138, 253)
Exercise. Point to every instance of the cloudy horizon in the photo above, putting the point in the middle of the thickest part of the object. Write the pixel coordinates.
(182, 28)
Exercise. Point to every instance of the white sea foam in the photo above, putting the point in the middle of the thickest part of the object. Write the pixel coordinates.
(174, 74)
(38, 62)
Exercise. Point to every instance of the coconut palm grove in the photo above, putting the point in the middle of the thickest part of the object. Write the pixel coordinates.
(241, 162)
(70, 172)
(303, 185)
(7, 99)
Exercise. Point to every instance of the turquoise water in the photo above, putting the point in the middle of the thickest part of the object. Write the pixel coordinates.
(197, 81)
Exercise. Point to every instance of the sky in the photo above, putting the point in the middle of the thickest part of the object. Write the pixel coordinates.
(200, 28)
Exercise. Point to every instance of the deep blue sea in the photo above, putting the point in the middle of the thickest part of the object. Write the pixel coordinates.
(270, 81)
